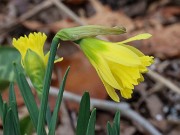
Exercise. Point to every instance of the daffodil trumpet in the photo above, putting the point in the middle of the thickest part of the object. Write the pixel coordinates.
(33, 59)
(119, 66)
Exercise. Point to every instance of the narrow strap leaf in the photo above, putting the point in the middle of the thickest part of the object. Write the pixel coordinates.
(27, 96)
(109, 129)
(9, 124)
(5, 110)
(48, 115)
(46, 86)
(13, 106)
(84, 114)
(58, 102)
(91, 124)
(116, 122)
(1, 107)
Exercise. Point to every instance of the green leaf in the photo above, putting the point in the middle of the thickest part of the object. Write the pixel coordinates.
(91, 124)
(7, 56)
(13, 106)
(46, 86)
(5, 109)
(9, 124)
(115, 128)
(58, 102)
(27, 95)
(116, 122)
(26, 126)
(84, 114)
(109, 129)
(1, 107)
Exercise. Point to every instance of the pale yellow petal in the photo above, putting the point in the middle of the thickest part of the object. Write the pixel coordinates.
(138, 52)
(46, 57)
(137, 37)
(110, 90)
(58, 60)
(128, 76)
(19, 45)
(146, 61)
(121, 55)
(99, 63)
(126, 93)
(141, 79)
(36, 42)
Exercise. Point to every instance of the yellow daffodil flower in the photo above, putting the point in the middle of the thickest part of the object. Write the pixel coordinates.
(118, 65)
(33, 59)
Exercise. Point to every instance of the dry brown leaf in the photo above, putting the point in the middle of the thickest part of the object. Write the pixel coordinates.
(105, 16)
(33, 25)
(165, 42)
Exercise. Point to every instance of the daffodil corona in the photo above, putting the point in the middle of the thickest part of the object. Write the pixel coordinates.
(119, 66)
(33, 59)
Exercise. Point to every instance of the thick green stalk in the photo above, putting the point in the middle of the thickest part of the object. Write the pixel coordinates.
(46, 86)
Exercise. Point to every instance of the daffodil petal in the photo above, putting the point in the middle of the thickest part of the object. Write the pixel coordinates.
(121, 55)
(110, 90)
(102, 68)
(126, 93)
(46, 57)
(128, 76)
(19, 45)
(136, 51)
(58, 60)
(36, 42)
(110, 51)
(137, 37)
(141, 79)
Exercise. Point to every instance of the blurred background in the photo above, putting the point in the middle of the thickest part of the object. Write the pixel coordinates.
(157, 99)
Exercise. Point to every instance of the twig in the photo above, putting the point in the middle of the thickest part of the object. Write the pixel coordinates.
(107, 105)
(67, 127)
(67, 11)
(164, 81)
(26, 15)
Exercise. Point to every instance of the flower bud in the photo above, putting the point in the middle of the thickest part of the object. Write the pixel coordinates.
(35, 69)
(76, 33)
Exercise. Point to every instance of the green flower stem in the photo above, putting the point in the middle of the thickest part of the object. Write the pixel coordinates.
(46, 86)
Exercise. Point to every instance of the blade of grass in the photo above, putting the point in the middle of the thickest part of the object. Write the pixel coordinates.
(58, 102)
(27, 96)
(91, 124)
(46, 86)
(84, 114)
(13, 106)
